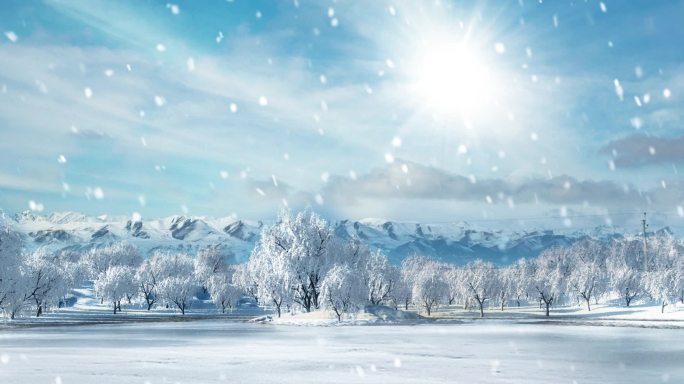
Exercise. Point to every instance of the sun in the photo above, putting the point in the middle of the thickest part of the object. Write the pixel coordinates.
(451, 79)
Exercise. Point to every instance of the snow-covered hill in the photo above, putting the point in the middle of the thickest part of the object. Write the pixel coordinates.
(457, 242)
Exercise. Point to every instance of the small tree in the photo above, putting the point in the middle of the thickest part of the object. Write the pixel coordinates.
(224, 294)
(343, 291)
(428, 286)
(482, 282)
(114, 284)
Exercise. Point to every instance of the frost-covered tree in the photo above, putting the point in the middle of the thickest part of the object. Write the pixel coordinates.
(268, 265)
(428, 285)
(507, 284)
(660, 285)
(380, 276)
(12, 283)
(47, 281)
(147, 276)
(624, 268)
(100, 258)
(308, 248)
(115, 284)
(550, 277)
(209, 261)
(177, 282)
(343, 290)
(244, 279)
(481, 278)
(223, 292)
(586, 279)
(400, 295)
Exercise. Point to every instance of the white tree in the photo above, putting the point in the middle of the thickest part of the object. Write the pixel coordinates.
(507, 284)
(481, 278)
(586, 278)
(400, 295)
(146, 277)
(243, 278)
(177, 282)
(306, 249)
(343, 291)
(381, 277)
(428, 286)
(47, 281)
(115, 284)
(12, 283)
(209, 261)
(99, 258)
(223, 292)
(550, 276)
(660, 284)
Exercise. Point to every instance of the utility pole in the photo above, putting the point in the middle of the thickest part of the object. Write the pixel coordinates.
(644, 226)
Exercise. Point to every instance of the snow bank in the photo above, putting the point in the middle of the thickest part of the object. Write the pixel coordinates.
(371, 315)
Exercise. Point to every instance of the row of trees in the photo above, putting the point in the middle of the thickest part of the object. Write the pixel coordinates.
(300, 264)
(38, 280)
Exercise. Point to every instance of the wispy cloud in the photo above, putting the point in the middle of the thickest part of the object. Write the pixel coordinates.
(411, 181)
(641, 150)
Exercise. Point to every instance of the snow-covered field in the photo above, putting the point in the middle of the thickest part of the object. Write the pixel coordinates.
(236, 352)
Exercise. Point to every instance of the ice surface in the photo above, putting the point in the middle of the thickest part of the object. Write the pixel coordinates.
(220, 351)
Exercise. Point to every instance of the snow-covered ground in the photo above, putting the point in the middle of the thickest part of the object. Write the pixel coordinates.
(232, 352)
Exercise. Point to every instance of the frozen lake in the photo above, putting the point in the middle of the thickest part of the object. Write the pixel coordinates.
(215, 351)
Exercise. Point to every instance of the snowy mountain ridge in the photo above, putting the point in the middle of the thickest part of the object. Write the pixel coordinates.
(457, 242)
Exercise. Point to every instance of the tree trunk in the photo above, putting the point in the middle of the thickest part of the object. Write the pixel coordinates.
(481, 310)
(149, 305)
(115, 307)
(662, 307)
(39, 311)
(548, 304)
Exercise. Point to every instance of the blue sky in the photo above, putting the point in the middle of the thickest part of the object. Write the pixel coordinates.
(416, 110)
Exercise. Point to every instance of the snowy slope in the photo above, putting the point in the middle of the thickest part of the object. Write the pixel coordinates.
(457, 242)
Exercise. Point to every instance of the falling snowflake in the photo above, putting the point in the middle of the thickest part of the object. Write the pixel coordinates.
(389, 158)
(174, 8)
(462, 149)
(35, 206)
(263, 101)
(61, 159)
(98, 193)
(88, 92)
(190, 64)
(233, 107)
(618, 89)
(500, 48)
(11, 36)
(160, 101)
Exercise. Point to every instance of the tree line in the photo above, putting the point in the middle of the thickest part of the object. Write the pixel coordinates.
(300, 264)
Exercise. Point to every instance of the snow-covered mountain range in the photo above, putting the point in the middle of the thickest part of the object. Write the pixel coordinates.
(457, 242)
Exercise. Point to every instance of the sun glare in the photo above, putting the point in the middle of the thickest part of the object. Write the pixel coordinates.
(451, 79)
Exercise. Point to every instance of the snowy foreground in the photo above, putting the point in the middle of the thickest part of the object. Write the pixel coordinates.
(237, 352)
